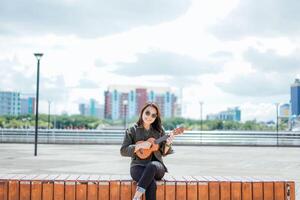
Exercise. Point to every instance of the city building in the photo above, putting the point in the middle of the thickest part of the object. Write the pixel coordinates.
(92, 109)
(135, 98)
(231, 114)
(284, 110)
(28, 106)
(295, 98)
(10, 103)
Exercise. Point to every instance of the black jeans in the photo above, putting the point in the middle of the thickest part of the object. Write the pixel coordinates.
(146, 177)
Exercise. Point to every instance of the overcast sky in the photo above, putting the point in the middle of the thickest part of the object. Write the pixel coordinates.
(225, 53)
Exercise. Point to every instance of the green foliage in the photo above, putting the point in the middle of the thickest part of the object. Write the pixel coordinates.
(83, 122)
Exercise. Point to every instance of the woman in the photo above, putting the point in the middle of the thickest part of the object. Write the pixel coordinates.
(146, 171)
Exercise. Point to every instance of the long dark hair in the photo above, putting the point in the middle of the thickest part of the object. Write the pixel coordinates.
(157, 122)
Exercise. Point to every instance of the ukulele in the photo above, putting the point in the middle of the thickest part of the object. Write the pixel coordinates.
(145, 153)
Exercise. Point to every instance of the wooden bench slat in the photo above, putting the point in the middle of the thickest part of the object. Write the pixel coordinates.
(122, 187)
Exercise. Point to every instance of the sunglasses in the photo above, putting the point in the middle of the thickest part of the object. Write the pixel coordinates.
(148, 113)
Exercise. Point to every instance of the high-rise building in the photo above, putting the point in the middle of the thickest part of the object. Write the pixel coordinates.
(10, 103)
(93, 109)
(231, 114)
(28, 106)
(284, 110)
(295, 98)
(136, 98)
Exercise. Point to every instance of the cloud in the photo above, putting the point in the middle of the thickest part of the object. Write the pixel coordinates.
(15, 76)
(84, 18)
(258, 84)
(269, 61)
(167, 64)
(265, 18)
(86, 83)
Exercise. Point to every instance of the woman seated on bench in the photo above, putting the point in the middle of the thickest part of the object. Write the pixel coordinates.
(145, 170)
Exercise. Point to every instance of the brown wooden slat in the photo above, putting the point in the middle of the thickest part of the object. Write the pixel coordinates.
(247, 190)
(93, 183)
(13, 190)
(268, 190)
(258, 190)
(59, 190)
(3, 190)
(214, 190)
(114, 187)
(181, 187)
(202, 187)
(126, 190)
(70, 187)
(103, 188)
(236, 190)
(170, 193)
(279, 190)
(36, 190)
(225, 190)
(81, 187)
(25, 188)
(192, 188)
(160, 191)
(47, 190)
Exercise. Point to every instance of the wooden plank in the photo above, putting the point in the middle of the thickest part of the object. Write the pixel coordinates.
(181, 187)
(247, 190)
(125, 190)
(160, 191)
(236, 190)
(170, 191)
(36, 186)
(103, 187)
(36, 190)
(268, 190)
(59, 190)
(258, 190)
(13, 190)
(114, 187)
(3, 190)
(47, 190)
(25, 190)
(214, 190)
(279, 191)
(225, 190)
(202, 187)
(59, 186)
(290, 190)
(93, 183)
(70, 188)
(81, 187)
(192, 188)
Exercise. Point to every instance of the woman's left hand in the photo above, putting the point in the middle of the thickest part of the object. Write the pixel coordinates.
(170, 138)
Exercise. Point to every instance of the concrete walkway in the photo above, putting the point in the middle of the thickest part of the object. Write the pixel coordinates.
(277, 162)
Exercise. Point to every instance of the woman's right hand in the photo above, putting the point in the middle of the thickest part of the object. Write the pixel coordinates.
(143, 145)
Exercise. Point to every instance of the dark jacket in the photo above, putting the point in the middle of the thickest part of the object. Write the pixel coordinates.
(137, 133)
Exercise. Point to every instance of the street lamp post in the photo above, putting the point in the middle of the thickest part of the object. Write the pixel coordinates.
(38, 57)
(49, 103)
(201, 119)
(277, 104)
(125, 103)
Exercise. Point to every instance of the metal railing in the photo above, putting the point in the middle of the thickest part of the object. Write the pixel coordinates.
(62, 136)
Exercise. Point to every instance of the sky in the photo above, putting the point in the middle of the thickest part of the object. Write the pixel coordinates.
(228, 53)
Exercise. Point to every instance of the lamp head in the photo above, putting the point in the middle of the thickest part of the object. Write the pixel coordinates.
(38, 55)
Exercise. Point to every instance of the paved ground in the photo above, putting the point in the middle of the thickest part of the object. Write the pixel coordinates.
(277, 162)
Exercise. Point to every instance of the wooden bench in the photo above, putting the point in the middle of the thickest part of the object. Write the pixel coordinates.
(96, 187)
